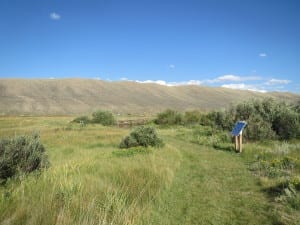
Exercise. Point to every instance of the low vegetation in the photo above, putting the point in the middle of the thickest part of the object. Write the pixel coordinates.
(21, 155)
(169, 117)
(267, 119)
(277, 164)
(104, 118)
(142, 136)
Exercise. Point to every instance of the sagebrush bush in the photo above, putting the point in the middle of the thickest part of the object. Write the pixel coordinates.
(169, 117)
(192, 117)
(105, 118)
(208, 119)
(142, 136)
(225, 119)
(258, 128)
(287, 124)
(23, 154)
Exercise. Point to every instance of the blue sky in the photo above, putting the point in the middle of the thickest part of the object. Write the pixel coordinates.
(250, 44)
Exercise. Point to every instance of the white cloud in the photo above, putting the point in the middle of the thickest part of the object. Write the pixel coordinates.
(228, 81)
(277, 81)
(194, 82)
(233, 78)
(228, 78)
(171, 66)
(54, 16)
(170, 84)
(262, 54)
(124, 78)
(242, 86)
(160, 82)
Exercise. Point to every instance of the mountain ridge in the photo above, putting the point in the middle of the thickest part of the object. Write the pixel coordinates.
(74, 96)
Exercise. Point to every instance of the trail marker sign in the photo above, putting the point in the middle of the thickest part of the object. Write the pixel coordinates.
(237, 132)
(238, 128)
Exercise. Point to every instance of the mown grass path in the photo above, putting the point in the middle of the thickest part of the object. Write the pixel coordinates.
(210, 187)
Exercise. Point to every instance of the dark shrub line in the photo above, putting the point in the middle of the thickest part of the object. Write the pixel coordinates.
(267, 119)
(105, 118)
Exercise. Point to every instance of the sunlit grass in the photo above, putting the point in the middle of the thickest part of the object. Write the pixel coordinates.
(195, 178)
(87, 183)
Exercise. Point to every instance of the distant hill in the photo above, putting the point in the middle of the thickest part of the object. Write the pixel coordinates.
(82, 96)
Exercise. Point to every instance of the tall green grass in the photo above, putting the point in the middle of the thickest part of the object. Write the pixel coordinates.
(196, 178)
(88, 183)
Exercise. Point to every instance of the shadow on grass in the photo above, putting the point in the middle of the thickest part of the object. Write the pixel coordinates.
(131, 152)
(275, 191)
(224, 147)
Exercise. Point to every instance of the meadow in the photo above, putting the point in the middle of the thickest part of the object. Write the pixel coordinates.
(196, 178)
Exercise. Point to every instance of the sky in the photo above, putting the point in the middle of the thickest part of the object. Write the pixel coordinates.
(240, 44)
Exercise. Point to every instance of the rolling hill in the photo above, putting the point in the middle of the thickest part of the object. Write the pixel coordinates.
(81, 96)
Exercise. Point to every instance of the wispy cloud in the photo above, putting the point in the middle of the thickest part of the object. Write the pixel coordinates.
(233, 78)
(160, 82)
(171, 66)
(262, 54)
(170, 84)
(277, 81)
(251, 83)
(55, 16)
(228, 78)
(194, 82)
(242, 86)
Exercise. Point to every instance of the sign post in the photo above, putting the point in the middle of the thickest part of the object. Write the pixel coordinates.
(237, 132)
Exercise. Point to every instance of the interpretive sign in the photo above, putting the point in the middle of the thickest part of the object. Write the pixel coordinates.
(238, 128)
(237, 132)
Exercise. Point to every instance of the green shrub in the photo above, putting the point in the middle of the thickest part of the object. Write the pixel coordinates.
(23, 154)
(296, 182)
(266, 119)
(141, 136)
(208, 119)
(192, 117)
(287, 124)
(258, 128)
(169, 117)
(81, 119)
(105, 118)
(225, 120)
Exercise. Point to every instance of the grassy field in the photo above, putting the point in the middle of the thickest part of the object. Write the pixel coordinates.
(193, 179)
